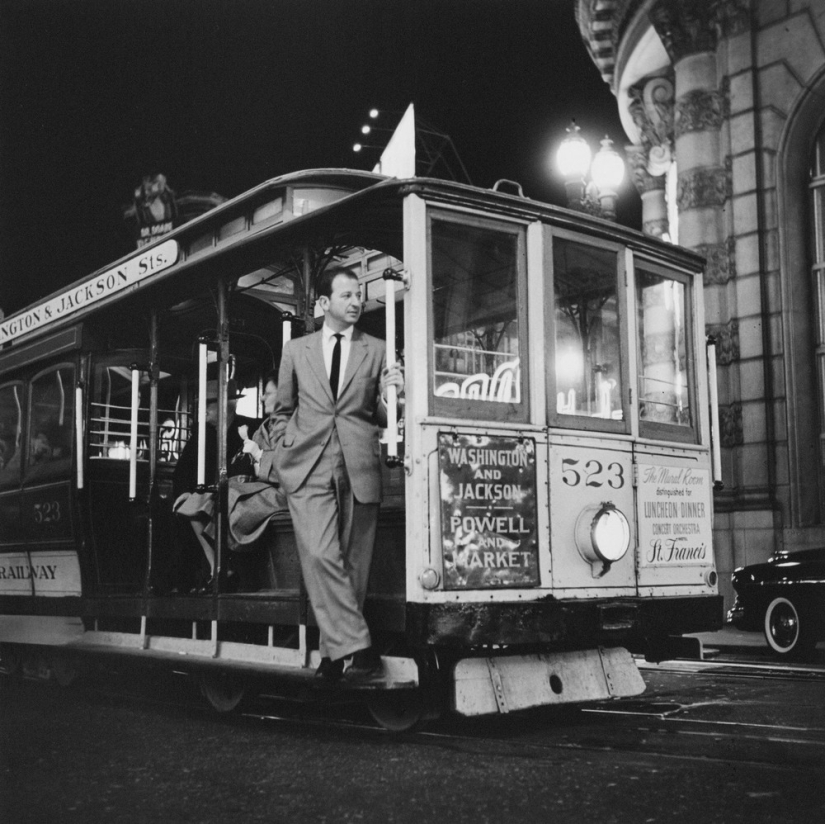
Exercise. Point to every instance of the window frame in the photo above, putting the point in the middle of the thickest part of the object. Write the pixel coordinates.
(656, 430)
(816, 250)
(557, 419)
(470, 408)
(59, 466)
(10, 479)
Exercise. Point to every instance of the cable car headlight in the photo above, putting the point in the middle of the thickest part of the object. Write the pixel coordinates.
(602, 536)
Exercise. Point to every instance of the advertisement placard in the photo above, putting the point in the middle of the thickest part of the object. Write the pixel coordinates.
(675, 516)
(488, 511)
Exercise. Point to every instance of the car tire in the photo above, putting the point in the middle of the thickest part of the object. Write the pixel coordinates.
(787, 630)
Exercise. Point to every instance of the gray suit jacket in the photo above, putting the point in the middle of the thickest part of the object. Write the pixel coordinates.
(305, 413)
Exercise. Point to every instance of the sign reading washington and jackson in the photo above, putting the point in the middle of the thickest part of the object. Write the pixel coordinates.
(488, 511)
(103, 285)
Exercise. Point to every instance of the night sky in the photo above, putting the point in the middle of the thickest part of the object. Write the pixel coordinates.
(220, 95)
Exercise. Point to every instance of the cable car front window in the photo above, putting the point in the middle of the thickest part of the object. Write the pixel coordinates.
(476, 350)
(664, 388)
(588, 336)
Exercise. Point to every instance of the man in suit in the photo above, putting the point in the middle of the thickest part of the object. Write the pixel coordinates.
(330, 406)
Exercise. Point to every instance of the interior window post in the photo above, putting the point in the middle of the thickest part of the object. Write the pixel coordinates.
(223, 364)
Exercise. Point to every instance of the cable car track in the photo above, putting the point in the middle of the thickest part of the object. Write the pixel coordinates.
(631, 729)
(740, 669)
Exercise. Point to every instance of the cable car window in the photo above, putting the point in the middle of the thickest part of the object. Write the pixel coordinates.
(111, 415)
(588, 365)
(664, 348)
(50, 420)
(477, 280)
(11, 430)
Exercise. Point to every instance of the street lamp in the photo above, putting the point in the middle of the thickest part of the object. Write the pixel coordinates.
(599, 195)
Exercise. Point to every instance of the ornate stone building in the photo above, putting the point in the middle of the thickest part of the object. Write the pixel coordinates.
(724, 105)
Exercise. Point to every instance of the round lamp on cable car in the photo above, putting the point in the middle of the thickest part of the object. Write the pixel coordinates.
(607, 173)
(602, 535)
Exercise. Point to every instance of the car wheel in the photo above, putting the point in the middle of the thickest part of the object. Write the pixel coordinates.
(787, 631)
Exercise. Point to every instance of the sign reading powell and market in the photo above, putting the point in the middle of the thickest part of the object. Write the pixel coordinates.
(488, 511)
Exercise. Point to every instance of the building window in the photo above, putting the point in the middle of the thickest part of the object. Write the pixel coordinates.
(817, 212)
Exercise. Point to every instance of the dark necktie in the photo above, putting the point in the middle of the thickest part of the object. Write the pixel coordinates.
(336, 366)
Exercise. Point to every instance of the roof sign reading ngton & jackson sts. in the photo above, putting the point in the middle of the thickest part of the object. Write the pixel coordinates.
(107, 283)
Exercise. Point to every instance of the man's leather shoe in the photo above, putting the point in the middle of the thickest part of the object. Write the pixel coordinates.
(366, 667)
(329, 672)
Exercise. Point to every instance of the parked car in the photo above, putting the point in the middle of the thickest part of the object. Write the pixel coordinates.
(785, 598)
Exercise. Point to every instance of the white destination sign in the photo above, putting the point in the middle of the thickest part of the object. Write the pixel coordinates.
(101, 286)
(675, 515)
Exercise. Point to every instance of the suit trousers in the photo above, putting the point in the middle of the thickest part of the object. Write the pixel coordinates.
(335, 536)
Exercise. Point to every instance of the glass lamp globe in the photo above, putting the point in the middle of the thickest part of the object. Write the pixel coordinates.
(573, 156)
(608, 168)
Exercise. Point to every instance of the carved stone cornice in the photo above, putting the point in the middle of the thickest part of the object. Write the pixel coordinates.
(727, 341)
(719, 268)
(731, 17)
(651, 108)
(685, 27)
(699, 111)
(643, 180)
(730, 425)
(702, 187)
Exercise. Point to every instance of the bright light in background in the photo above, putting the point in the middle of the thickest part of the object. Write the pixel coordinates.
(356, 147)
(573, 155)
(373, 113)
(607, 170)
(366, 129)
(569, 367)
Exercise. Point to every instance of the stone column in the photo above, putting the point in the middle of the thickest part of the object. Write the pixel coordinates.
(652, 190)
(687, 31)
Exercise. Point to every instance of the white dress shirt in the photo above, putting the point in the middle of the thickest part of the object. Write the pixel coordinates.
(329, 344)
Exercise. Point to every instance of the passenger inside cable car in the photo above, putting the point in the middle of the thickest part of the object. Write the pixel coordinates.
(199, 506)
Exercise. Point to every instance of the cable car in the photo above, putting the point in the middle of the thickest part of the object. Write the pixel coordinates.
(548, 483)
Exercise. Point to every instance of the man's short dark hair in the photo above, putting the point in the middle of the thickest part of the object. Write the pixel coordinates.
(323, 286)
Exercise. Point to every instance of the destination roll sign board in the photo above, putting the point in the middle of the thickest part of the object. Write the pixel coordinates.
(488, 511)
(79, 296)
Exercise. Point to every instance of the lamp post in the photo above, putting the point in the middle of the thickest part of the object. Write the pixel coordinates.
(575, 160)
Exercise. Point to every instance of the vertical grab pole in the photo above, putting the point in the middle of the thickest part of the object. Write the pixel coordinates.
(133, 439)
(392, 394)
(78, 432)
(201, 479)
(392, 436)
(715, 440)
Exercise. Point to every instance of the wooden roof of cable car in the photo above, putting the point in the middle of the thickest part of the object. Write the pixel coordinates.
(369, 215)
